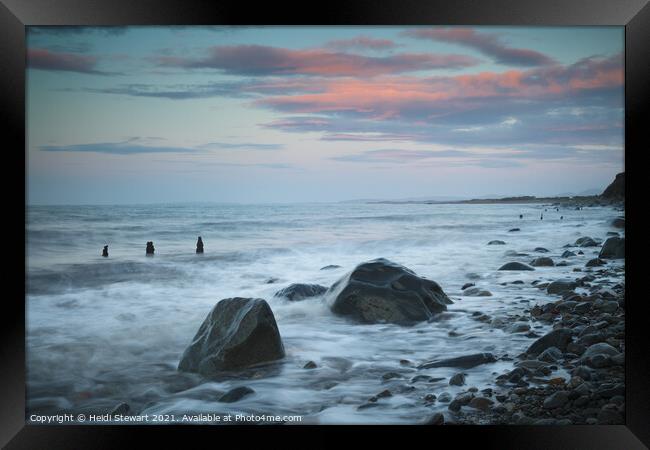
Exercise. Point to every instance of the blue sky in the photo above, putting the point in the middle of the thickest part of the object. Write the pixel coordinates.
(294, 114)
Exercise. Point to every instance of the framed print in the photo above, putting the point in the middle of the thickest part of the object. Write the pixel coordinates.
(398, 218)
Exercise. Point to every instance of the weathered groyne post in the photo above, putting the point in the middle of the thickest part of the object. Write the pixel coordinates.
(199, 245)
(105, 251)
(150, 248)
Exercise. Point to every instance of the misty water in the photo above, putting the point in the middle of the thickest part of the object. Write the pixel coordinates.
(101, 331)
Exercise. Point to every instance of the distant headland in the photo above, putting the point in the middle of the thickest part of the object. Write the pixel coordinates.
(614, 194)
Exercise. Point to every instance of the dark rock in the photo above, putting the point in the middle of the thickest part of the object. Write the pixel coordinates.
(150, 248)
(541, 250)
(496, 242)
(556, 400)
(234, 395)
(199, 245)
(616, 190)
(330, 267)
(457, 379)
(295, 292)
(381, 291)
(513, 230)
(391, 375)
(310, 365)
(596, 262)
(436, 419)
(238, 333)
(385, 393)
(618, 222)
(466, 285)
(614, 248)
(477, 292)
(586, 241)
(568, 254)
(550, 355)
(561, 286)
(542, 262)
(515, 266)
(601, 348)
(482, 403)
(463, 362)
(559, 338)
(105, 251)
(445, 397)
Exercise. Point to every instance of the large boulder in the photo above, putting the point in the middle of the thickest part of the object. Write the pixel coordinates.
(515, 266)
(381, 291)
(616, 190)
(618, 222)
(297, 291)
(613, 248)
(236, 334)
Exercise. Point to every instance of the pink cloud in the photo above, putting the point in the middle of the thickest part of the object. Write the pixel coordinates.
(395, 96)
(42, 59)
(486, 43)
(258, 60)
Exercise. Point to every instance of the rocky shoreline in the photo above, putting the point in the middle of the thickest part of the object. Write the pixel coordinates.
(587, 345)
(574, 374)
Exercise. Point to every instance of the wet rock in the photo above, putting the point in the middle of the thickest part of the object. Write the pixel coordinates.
(514, 265)
(561, 286)
(618, 222)
(457, 379)
(541, 250)
(477, 292)
(512, 230)
(496, 242)
(105, 251)
(385, 393)
(391, 375)
(559, 338)
(542, 262)
(150, 248)
(236, 394)
(436, 419)
(601, 348)
(568, 254)
(613, 248)
(519, 327)
(556, 400)
(296, 292)
(482, 403)
(466, 285)
(586, 241)
(596, 262)
(237, 333)
(463, 362)
(381, 291)
(310, 365)
(199, 245)
(550, 355)
(445, 397)
(330, 267)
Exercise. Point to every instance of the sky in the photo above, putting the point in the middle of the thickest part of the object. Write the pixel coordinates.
(316, 114)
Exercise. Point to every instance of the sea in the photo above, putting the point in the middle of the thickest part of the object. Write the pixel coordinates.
(104, 331)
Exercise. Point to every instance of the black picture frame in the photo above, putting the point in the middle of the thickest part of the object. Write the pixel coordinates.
(15, 15)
